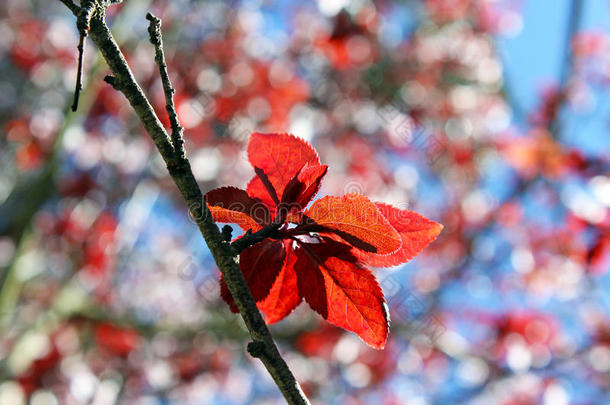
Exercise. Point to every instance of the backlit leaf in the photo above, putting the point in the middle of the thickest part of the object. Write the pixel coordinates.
(416, 232)
(343, 292)
(235, 206)
(355, 219)
(280, 157)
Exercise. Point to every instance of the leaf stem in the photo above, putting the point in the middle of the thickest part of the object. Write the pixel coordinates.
(82, 23)
(250, 238)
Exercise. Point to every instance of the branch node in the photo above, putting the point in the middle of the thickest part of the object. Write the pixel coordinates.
(256, 348)
(82, 24)
(111, 80)
(227, 230)
(84, 16)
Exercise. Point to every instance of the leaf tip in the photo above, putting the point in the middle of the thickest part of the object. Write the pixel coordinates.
(436, 230)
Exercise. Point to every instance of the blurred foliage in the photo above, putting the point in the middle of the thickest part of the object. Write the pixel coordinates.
(108, 294)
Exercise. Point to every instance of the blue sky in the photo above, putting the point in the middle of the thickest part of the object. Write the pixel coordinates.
(534, 58)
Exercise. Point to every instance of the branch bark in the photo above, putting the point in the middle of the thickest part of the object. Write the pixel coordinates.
(82, 23)
(179, 169)
(154, 31)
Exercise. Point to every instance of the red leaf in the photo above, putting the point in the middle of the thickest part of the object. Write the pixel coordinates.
(256, 189)
(280, 157)
(350, 230)
(260, 174)
(301, 189)
(416, 232)
(268, 268)
(233, 205)
(344, 293)
(115, 339)
(260, 264)
(284, 295)
(599, 255)
(356, 220)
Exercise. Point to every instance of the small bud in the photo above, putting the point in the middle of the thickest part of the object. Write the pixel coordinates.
(226, 233)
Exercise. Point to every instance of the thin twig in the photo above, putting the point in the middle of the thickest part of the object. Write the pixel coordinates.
(154, 31)
(82, 23)
(250, 238)
(180, 170)
(79, 72)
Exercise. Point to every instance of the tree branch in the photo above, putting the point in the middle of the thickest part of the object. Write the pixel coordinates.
(180, 171)
(154, 30)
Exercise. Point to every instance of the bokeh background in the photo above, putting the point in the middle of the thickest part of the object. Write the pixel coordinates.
(489, 116)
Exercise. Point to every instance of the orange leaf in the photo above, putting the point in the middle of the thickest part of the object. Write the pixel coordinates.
(235, 206)
(356, 220)
(416, 232)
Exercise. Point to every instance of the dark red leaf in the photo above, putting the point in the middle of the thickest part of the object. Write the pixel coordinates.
(599, 255)
(116, 339)
(260, 264)
(284, 294)
(344, 293)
